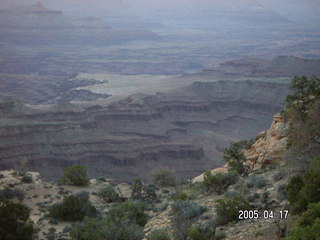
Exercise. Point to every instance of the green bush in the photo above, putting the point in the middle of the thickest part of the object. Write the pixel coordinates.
(75, 175)
(134, 211)
(187, 209)
(235, 158)
(250, 184)
(123, 221)
(82, 195)
(219, 182)
(232, 194)
(26, 178)
(261, 182)
(8, 193)
(72, 208)
(106, 229)
(196, 189)
(14, 222)
(145, 193)
(256, 181)
(308, 226)
(293, 188)
(164, 178)
(241, 187)
(137, 189)
(182, 213)
(149, 193)
(304, 189)
(108, 194)
(159, 235)
(181, 197)
(202, 233)
(228, 210)
(220, 235)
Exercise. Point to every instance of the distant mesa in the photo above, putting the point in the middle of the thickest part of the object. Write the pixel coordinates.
(37, 8)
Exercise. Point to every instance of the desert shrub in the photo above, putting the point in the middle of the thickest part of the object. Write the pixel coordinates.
(250, 184)
(304, 189)
(204, 232)
(220, 235)
(165, 191)
(228, 210)
(26, 179)
(181, 197)
(162, 207)
(261, 182)
(308, 226)
(137, 189)
(279, 175)
(196, 189)
(256, 195)
(253, 197)
(235, 158)
(164, 177)
(14, 222)
(282, 194)
(75, 175)
(8, 193)
(82, 195)
(134, 211)
(108, 194)
(256, 181)
(265, 200)
(182, 213)
(199, 234)
(187, 209)
(106, 229)
(241, 187)
(219, 182)
(149, 193)
(53, 221)
(145, 193)
(124, 220)
(271, 166)
(159, 234)
(72, 208)
(232, 194)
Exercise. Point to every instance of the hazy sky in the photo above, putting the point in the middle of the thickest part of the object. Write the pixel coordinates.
(305, 11)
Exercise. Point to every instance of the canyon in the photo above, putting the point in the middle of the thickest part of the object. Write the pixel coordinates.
(180, 129)
(124, 91)
(129, 134)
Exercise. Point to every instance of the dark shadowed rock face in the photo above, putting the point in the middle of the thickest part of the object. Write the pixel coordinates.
(180, 129)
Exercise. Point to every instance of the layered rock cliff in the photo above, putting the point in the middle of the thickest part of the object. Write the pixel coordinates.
(180, 129)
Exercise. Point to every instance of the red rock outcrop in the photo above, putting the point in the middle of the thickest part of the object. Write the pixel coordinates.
(269, 145)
